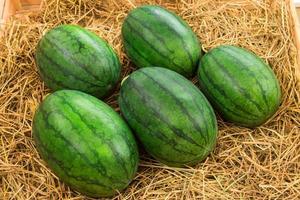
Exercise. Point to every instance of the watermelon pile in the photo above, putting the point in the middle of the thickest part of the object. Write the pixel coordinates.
(94, 150)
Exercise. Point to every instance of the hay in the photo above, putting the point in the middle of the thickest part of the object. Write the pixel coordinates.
(263, 163)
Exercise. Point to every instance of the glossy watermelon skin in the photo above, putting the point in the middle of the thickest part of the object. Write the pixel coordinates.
(154, 36)
(170, 116)
(240, 85)
(85, 143)
(71, 57)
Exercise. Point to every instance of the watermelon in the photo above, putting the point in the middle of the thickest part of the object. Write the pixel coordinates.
(71, 57)
(240, 85)
(170, 116)
(154, 36)
(85, 143)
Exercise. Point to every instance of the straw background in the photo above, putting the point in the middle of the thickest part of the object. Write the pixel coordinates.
(261, 163)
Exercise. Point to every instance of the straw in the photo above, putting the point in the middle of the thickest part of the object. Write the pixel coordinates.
(261, 163)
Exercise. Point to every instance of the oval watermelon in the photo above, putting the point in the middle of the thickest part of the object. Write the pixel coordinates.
(240, 85)
(70, 57)
(154, 36)
(85, 143)
(169, 115)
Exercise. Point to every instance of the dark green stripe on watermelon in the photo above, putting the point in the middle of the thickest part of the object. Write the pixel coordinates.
(70, 57)
(240, 85)
(154, 36)
(85, 143)
(169, 115)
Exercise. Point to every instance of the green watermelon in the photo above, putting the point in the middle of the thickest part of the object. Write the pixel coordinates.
(85, 143)
(154, 36)
(170, 116)
(71, 57)
(240, 85)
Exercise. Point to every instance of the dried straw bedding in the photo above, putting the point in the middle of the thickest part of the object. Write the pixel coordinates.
(261, 163)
